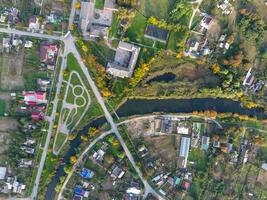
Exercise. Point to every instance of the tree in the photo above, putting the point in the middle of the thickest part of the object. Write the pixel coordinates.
(85, 48)
(106, 92)
(73, 159)
(215, 68)
(77, 5)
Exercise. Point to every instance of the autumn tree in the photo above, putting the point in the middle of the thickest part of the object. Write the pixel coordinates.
(73, 159)
(77, 5)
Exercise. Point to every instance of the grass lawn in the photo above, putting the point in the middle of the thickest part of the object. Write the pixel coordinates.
(158, 8)
(137, 30)
(174, 38)
(61, 137)
(100, 172)
(2, 107)
(94, 110)
(99, 4)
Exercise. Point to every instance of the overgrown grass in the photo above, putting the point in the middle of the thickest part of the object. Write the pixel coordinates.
(113, 30)
(158, 8)
(60, 139)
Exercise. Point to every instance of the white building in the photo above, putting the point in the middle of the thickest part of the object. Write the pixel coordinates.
(125, 59)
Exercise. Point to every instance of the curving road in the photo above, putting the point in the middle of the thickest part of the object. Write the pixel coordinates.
(69, 43)
(79, 160)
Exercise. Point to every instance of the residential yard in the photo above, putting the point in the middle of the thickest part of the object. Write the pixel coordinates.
(158, 8)
(137, 30)
(102, 182)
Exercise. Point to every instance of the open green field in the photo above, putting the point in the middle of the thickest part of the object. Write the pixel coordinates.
(137, 30)
(158, 8)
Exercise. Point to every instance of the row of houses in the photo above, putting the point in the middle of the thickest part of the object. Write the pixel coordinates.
(11, 184)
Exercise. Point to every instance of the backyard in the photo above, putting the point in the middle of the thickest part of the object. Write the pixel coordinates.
(158, 8)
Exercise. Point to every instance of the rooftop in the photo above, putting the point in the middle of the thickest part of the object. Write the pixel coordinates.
(156, 33)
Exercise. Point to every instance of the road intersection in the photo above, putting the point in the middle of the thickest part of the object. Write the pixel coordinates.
(69, 47)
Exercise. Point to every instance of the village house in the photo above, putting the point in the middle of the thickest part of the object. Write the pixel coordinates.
(14, 186)
(182, 130)
(249, 79)
(29, 142)
(223, 42)
(206, 22)
(205, 141)
(34, 24)
(25, 163)
(12, 15)
(184, 152)
(133, 193)
(43, 84)
(142, 151)
(86, 173)
(117, 172)
(28, 44)
(37, 115)
(3, 172)
(34, 98)
(95, 22)
(225, 6)
(28, 150)
(155, 33)
(3, 18)
(125, 59)
(48, 52)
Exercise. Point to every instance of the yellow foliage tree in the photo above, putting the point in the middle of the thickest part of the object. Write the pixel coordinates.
(85, 48)
(77, 5)
(106, 92)
(73, 159)
(215, 68)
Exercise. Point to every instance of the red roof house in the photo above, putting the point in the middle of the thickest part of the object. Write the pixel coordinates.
(34, 98)
(36, 115)
(48, 52)
(186, 185)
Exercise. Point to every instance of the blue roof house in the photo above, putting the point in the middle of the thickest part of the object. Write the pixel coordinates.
(86, 173)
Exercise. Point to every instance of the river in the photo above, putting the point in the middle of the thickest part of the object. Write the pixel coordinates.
(148, 106)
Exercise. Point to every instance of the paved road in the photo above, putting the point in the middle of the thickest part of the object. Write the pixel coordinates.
(148, 188)
(79, 160)
(70, 47)
(51, 124)
(72, 13)
(30, 34)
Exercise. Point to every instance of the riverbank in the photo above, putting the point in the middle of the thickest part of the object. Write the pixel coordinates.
(133, 107)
